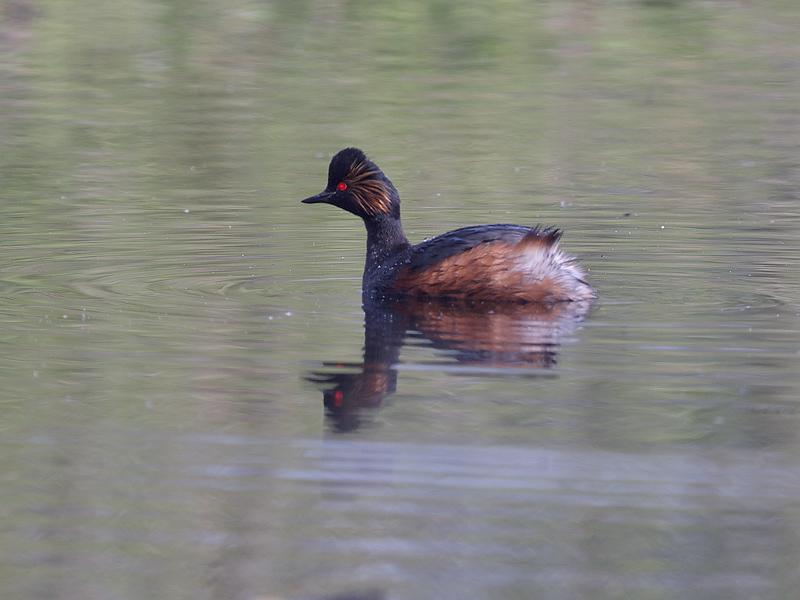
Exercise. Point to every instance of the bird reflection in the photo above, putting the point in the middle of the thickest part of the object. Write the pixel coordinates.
(496, 337)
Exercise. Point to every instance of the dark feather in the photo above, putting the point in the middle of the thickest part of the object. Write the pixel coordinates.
(454, 242)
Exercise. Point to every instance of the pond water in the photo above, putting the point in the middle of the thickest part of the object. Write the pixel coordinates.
(195, 404)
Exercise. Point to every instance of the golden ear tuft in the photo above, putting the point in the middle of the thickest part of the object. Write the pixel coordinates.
(368, 189)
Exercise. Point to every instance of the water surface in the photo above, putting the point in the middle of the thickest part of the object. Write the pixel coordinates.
(195, 403)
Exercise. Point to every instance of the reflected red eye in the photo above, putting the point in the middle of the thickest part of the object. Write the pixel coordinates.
(342, 186)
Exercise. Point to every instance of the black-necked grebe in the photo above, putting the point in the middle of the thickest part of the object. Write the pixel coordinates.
(484, 263)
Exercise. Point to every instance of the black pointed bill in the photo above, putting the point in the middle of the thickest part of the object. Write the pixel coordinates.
(321, 197)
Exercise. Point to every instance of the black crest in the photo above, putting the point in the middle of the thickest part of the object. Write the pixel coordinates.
(344, 162)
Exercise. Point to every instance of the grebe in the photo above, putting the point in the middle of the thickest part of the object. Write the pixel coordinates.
(483, 263)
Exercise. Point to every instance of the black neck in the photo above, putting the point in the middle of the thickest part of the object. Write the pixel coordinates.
(385, 241)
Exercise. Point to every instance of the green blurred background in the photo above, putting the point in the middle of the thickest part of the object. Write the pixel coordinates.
(164, 297)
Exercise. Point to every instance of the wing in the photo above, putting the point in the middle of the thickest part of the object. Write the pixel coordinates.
(447, 245)
(493, 263)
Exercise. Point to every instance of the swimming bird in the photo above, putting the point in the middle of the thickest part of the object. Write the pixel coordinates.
(482, 263)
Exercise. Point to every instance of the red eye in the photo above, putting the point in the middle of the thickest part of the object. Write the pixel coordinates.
(342, 186)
